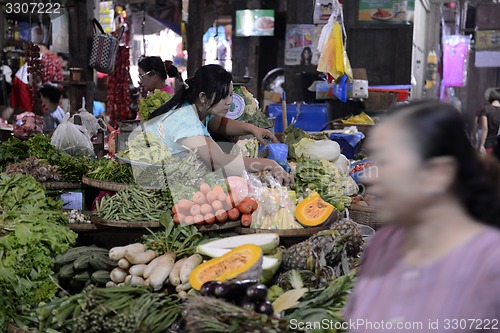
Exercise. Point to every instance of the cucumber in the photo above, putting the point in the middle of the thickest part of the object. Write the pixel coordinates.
(82, 276)
(102, 262)
(66, 271)
(83, 262)
(74, 253)
(101, 277)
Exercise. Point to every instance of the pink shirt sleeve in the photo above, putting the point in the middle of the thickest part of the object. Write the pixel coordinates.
(168, 89)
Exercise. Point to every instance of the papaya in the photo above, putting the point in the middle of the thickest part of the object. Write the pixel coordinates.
(313, 211)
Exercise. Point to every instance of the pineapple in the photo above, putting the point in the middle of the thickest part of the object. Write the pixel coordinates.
(312, 252)
(351, 235)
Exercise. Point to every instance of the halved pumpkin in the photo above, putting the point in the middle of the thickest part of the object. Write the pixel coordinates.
(313, 211)
(243, 262)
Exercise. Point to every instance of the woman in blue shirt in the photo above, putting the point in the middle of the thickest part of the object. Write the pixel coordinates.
(184, 122)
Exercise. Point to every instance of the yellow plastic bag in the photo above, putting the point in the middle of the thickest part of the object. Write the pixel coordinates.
(334, 58)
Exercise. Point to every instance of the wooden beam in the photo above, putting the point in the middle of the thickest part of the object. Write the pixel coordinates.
(195, 33)
(80, 41)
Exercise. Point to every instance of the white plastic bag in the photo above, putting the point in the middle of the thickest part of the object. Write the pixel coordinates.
(72, 139)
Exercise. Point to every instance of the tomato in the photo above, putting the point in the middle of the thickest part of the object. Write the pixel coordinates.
(221, 216)
(209, 218)
(205, 209)
(211, 197)
(199, 198)
(245, 207)
(204, 188)
(217, 205)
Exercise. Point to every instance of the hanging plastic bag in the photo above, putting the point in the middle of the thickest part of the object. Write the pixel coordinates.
(73, 139)
(333, 59)
(340, 88)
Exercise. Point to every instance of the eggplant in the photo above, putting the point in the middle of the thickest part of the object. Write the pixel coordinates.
(257, 292)
(247, 304)
(233, 290)
(208, 288)
(265, 307)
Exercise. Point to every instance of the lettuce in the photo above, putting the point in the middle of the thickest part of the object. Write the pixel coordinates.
(33, 230)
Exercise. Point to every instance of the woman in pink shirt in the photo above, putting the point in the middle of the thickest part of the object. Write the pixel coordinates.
(435, 266)
(153, 72)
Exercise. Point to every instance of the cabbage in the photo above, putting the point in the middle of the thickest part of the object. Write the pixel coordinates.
(349, 185)
(317, 150)
(343, 165)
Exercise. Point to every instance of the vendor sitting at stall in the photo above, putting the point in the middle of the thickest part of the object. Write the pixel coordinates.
(153, 72)
(184, 122)
(51, 97)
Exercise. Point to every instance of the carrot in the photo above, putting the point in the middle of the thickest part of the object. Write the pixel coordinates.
(205, 209)
(221, 216)
(218, 189)
(211, 197)
(204, 188)
(254, 203)
(245, 207)
(199, 219)
(209, 218)
(216, 205)
(233, 214)
(189, 220)
(199, 198)
(195, 210)
(246, 220)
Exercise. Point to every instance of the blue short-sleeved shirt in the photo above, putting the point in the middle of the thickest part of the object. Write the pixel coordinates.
(178, 124)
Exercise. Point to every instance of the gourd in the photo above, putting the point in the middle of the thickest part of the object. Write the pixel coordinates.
(243, 262)
(313, 211)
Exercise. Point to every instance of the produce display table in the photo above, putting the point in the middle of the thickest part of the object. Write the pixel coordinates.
(125, 224)
(62, 185)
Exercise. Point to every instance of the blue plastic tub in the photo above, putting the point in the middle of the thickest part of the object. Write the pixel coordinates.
(350, 144)
(312, 117)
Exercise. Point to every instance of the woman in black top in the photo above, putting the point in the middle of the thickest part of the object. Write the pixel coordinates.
(489, 122)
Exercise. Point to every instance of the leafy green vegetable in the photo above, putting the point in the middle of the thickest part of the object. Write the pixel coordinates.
(323, 304)
(149, 104)
(324, 178)
(33, 230)
(109, 170)
(182, 240)
(71, 168)
(292, 136)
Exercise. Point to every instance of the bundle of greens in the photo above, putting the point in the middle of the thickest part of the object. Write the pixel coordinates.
(33, 230)
(322, 305)
(110, 310)
(325, 178)
(181, 240)
(71, 168)
(109, 170)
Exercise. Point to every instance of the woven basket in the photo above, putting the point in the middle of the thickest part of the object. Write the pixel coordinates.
(365, 215)
(61, 185)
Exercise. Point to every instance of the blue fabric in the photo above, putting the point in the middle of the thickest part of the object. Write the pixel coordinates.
(98, 108)
(178, 124)
(351, 139)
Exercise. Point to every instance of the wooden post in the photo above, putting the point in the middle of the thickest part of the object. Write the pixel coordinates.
(81, 13)
(195, 31)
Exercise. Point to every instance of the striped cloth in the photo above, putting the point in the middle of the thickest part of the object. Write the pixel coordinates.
(458, 293)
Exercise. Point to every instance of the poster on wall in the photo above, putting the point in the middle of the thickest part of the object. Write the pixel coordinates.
(301, 44)
(257, 22)
(386, 11)
(323, 9)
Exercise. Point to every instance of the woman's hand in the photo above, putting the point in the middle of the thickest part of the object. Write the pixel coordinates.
(261, 134)
(281, 175)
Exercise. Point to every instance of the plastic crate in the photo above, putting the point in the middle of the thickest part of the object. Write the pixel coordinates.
(312, 117)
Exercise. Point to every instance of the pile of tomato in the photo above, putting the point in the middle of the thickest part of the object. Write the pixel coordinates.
(360, 167)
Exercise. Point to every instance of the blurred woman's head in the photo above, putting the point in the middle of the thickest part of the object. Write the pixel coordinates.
(50, 94)
(423, 158)
(153, 72)
(211, 86)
